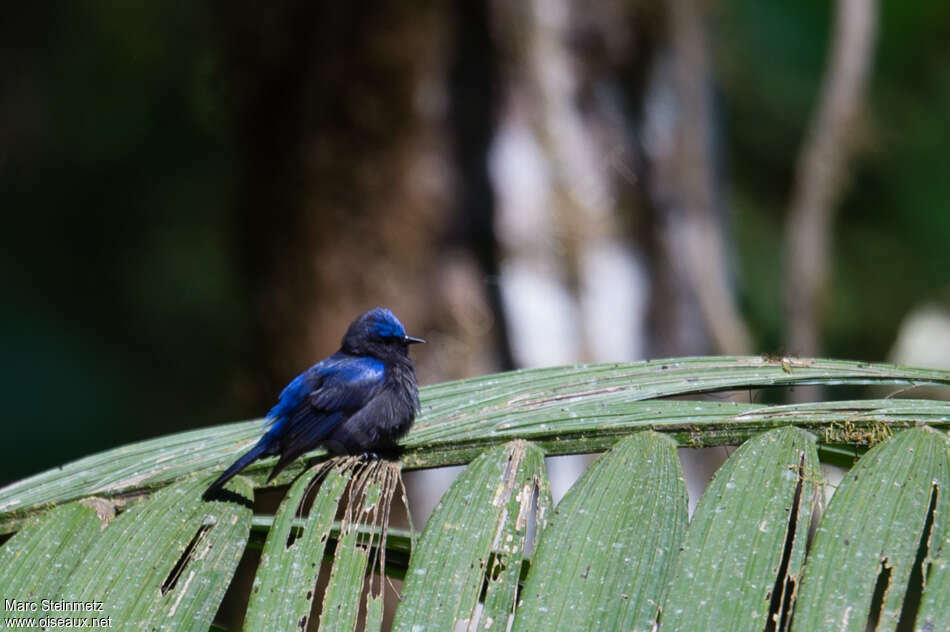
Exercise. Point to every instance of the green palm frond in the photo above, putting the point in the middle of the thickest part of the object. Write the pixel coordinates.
(128, 528)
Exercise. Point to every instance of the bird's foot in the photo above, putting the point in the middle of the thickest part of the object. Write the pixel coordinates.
(369, 456)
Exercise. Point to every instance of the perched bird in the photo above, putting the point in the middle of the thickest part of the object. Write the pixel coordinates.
(359, 400)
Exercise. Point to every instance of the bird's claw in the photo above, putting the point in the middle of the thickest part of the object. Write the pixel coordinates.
(369, 456)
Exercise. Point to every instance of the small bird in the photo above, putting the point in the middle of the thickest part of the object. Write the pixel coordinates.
(360, 400)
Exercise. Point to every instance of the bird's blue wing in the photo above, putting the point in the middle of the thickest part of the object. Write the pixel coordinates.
(294, 393)
(347, 384)
(320, 399)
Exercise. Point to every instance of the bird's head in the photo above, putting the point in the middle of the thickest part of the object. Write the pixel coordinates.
(377, 333)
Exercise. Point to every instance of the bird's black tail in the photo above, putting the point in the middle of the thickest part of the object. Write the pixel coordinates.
(259, 450)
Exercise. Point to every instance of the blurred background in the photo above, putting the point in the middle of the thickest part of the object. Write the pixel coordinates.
(198, 197)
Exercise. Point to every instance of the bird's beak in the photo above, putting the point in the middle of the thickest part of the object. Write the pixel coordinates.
(412, 340)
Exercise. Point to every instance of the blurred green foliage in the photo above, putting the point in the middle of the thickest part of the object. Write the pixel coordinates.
(891, 232)
(123, 310)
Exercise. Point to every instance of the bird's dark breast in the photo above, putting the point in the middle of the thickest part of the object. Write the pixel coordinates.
(383, 420)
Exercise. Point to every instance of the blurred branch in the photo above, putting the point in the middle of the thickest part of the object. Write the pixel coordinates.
(822, 171)
(700, 240)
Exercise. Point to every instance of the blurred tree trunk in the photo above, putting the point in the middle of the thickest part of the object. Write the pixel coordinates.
(574, 282)
(649, 79)
(647, 85)
(365, 130)
(474, 100)
(346, 176)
